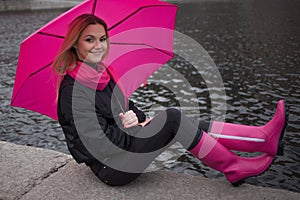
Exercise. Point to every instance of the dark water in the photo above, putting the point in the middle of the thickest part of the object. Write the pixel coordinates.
(255, 45)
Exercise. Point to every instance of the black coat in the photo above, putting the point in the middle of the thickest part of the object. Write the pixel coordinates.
(88, 109)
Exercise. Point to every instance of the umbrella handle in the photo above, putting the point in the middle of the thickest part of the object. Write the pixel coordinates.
(119, 103)
(118, 100)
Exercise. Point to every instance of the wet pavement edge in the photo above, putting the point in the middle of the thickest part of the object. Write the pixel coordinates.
(36, 173)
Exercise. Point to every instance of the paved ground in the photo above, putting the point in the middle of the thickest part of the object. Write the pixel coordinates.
(34, 173)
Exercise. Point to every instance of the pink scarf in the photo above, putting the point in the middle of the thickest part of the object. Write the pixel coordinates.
(89, 77)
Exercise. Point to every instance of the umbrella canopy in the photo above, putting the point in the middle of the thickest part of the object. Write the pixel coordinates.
(141, 39)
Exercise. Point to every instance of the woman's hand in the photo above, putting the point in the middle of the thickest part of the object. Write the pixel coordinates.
(129, 119)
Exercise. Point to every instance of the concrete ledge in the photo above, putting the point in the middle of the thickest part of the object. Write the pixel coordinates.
(23, 167)
(34, 173)
(10, 5)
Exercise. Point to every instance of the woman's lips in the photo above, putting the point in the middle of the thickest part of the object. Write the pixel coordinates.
(97, 53)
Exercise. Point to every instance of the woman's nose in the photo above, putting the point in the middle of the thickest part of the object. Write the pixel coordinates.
(99, 44)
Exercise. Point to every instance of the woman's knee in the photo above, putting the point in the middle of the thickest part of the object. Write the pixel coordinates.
(173, 114)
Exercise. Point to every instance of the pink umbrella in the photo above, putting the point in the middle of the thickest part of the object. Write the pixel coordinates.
(141, 35)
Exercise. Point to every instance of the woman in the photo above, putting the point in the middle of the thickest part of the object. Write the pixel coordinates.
(111, 145)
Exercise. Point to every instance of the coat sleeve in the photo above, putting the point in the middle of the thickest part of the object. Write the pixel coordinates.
(140, 114)
(100, 135)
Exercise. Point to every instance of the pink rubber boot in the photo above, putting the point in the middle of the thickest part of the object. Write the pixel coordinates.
(234, 167)
(267, 138)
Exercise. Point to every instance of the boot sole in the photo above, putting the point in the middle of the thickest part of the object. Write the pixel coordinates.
(280, 148)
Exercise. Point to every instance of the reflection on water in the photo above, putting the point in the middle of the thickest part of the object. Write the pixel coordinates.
(255, 45)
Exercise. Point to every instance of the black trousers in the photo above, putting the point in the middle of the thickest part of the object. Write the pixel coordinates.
(164, 130)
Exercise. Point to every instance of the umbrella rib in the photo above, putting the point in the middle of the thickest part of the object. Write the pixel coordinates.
(117, 24)
(51, 35)
(94, 7)
(32, 74)
(121, 43)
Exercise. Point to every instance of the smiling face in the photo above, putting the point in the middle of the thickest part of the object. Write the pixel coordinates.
(92, 44)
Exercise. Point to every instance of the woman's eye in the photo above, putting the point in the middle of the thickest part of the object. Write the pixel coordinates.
(89, 40)
(103, 39)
